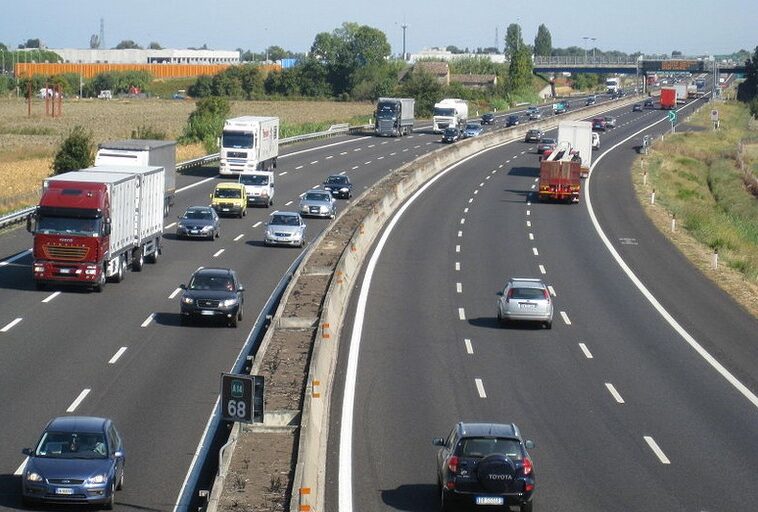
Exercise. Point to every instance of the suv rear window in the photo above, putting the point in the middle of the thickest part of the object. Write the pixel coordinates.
(483, 446)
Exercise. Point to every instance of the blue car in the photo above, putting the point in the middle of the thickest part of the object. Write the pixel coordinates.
(78, 460)
(472, 130)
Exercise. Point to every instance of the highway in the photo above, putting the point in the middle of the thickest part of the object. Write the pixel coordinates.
(625, 413)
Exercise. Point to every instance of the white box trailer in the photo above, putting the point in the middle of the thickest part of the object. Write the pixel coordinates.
(681, 92)
(579, 135)
(249, 143)
(143, 153)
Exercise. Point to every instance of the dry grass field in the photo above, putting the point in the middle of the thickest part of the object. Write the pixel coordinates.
(27, 144)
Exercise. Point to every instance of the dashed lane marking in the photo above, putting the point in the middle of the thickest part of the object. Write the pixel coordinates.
(299, 167)
(459, 287)
(565, 318)
(10, 325)
(51, 297)
(531, 236)
(458, 266)
(528, 223)
(148, 320)
(257, 224)
(78, 401)
(542, 270)
(586, 351)
(612, 390)
(175, 293)
(469, 348)
(460, 234)
(535, 251)
(117, 355)
(288, 203)
(656, 450)
(238, 237)
(218, 253)
(461, 314)
(170, 225)
(282, 173)
(551, 290)
(457, 248)
(480, 388)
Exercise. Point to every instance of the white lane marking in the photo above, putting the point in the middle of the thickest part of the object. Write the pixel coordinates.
(238, 237)
(354, 167)
(366, 163)
(417, 146)
(10, 325)
(371, 145)
(282, 173)
(175, 293)
(612, 390)
(459, 287)
(528, 223)
(148, 320)
(393, 154)
(288, 203)
(458, 265)
(385, 142)
(686, 336)
(481, 184)
(197, 183)
(380, 158)
(465, 210)
(536, 180)
(529, 203)
(469, 347)
(523, 152)
(406, 149)
(463, 220)
(656, 449)
(487, 177)
(343, 153)
(515, 157)
(493, 171)
(299, 167)
(507, 162)
(476, 191)
(565, 318)
(315, 186)
(343, 173)
(542, 269)
(460, 234)
(357, 149)
(117, 355)
(51, 297)
(257, 224)
(329, 157)
(528, 213)
(471, 200)
(533, 186)
(457, 248)
(314, 162)
(531, 236)
(535, 251)
(480, 388)
(218, 253)
(586, 351)
(21, 468)
(551, 290)
(345, 474)
(501, 165)
(14, 258)
(75, 403)
(170, 225)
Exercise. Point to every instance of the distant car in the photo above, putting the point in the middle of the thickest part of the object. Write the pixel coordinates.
(78, 460)
(213, 293)
(637, 107)
(545, 144)
(512, 120)
(610, 122)
(648, 103)
(472, 130)
(487, 465)
(595, 140)
(318, 203)
(620, 93)
(105, 94)
(534, 135)
(181, 94)
(525, 299)
(591, 100)
(488, 118)
(533, 113)
(451, 134)
(339, 185)
(285, 228)
(561, 107)
(598, 124)
(199, 222)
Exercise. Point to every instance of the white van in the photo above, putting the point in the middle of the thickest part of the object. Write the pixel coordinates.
(259, 186)
(595, 140)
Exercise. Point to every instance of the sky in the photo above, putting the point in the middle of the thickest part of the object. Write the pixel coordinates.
(694, 27)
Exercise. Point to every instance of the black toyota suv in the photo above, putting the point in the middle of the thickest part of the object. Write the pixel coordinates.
(213, 293)
(485, 464)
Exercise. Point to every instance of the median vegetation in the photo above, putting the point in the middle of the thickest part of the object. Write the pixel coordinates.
(705, 179)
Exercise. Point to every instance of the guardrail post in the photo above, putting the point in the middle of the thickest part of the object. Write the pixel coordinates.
(652, 197)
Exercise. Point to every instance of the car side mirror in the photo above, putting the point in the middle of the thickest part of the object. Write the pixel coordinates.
(438, 441)
(183, 286)
(118, 454)
(107, 227)
(27, 451)
(31, 223)
(211, 196)
(529, 444)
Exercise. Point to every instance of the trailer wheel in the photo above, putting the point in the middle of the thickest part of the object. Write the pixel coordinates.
(139, 261)
(153, 256)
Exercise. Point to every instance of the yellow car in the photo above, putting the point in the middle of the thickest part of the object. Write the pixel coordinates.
(230, 199)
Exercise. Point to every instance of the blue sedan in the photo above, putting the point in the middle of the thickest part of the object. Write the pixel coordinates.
(472, 130)
(78, 459)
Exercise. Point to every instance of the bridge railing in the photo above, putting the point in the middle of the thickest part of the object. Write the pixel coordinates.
(581, 60)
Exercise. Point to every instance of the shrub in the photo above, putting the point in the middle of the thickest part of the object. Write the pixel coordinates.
(75, 152)
(206, 122)
(148, 132)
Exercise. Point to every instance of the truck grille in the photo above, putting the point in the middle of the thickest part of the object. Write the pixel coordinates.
(236, 154)
(65, 252)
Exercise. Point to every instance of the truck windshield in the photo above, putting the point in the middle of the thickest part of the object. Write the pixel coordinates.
(385, 114)
(237, 140)
(447, 112)
(255, 179)
(68, 226)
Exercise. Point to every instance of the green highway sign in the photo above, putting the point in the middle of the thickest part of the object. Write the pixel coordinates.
(672, 116)
(242, 398)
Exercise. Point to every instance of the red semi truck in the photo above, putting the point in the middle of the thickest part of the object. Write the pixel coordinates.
(560, 175)
(92, 225)
(668, 98)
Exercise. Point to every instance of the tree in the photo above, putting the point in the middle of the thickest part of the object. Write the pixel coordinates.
(520, 71)
(31, 43)
(747, 91)
(128, 44)
(77, 151)
(206, 122)
(454, 49)
(154, 46)
(513, 40)
(676, 53)
(277, 53)
(543, 42)
(425, 89)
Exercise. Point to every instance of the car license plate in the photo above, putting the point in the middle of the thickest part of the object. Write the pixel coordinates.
(206, 312)
(194, 231)
(489, 500)
(65, 271)
(224, 209)
(64, 490)
(527, 306)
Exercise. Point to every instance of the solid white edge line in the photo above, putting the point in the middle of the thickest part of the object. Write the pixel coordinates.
(117, 355)
(565, 318)
(21, 468)
(586, 351)
(51, 297)
(148, 320)
(480, 388)
(78, 401)
(657, 450)
(469, 347)
(345, 474)
(612, 390)
(11, 324)
(175, 293)
(14, 258)
(686, 336)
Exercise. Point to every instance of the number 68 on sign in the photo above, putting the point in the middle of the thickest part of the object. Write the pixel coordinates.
(242, 398)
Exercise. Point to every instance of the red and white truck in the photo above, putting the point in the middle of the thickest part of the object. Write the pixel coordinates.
(560, 175)
(668, 98)
(92, 225)
(579, 136)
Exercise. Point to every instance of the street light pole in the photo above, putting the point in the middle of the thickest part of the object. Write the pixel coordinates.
(593, 48)
(585, 48)
(404, 26)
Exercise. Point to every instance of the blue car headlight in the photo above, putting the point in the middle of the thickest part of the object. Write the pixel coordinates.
(188, 300)
(229, 303)
(97, 479)
(33, 476)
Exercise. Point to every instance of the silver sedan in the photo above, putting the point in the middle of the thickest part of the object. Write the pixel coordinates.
(285, 228)
(525, 299)
(318, 203)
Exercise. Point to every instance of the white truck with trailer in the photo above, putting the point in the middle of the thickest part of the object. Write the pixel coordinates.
(143, 153)
(249, 143)
(450, 112)
(579, 135)
(395, 116)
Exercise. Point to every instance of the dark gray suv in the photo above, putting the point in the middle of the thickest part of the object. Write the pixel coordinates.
(213, 293)
(485, 464)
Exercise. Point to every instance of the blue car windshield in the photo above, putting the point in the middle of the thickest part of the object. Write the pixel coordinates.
(72, 445)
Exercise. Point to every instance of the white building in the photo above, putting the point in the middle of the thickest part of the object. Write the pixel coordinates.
(93, 56)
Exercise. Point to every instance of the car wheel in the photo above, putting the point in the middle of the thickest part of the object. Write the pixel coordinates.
(108, 505)
(549, 325)
(445, 505)
(218, 234)
(120, 485)
(527, 507)
(153, 256)
(138, 262)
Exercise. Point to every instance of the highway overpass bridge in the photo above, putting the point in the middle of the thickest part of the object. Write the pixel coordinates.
(628, 65)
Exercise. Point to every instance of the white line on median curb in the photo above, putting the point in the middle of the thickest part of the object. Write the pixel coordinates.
(75, 403)
(612, 390)
(657, 450)
(117, 355)
(51, 297)
(148, 320)
(586, 351)
(480, 388)
(10, 325)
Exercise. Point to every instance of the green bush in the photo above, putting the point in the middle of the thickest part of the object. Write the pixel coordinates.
(77, 151)
(206, 122)
(145, 132)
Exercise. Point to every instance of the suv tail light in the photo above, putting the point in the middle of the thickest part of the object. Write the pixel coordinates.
(527, 466)
(452, 464)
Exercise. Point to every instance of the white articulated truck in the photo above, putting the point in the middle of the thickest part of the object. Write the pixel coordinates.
(143, 153)
(249, 143)
(579, 135)
(450, 112)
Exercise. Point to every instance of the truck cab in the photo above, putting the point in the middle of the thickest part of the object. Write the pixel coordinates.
(230, 199)
(259, 186)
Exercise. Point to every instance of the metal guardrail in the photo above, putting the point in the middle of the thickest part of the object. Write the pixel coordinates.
(579, 59)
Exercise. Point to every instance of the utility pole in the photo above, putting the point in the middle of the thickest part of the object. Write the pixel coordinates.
(585, 47)
(593, 47)
(404, 26)
(497, 40)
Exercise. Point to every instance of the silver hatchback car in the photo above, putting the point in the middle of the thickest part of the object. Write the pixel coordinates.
(525, 299)
(318, 203)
